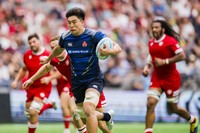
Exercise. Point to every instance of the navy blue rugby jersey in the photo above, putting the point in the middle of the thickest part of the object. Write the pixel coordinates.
(81, 50)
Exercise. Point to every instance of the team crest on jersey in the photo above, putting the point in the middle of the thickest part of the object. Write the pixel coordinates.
(42, 94)
(151, 44)
(84, 44)
(30, 57)
(160, 44)
(69, 44)
(169, 92)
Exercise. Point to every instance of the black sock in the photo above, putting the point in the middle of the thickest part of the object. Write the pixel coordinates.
(106, 117)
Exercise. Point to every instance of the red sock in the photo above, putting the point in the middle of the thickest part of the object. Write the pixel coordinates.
(31, 130)
(45, 107)
(32, 127)
(67, 121)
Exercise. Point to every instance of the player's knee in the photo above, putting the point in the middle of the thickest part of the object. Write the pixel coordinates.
(89, 109)
(151, 103)
(90, 102)
(153, 97)
(172, 106)
(91, 97)
(35, 108)
(79, 113)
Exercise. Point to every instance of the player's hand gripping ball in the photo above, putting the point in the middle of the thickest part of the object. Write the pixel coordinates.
(105, 41)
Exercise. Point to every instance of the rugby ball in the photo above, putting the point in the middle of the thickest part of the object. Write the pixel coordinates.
(105, 41)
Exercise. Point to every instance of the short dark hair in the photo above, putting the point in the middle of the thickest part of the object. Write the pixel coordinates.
(32, 36)
(76, 11)
(168, 29)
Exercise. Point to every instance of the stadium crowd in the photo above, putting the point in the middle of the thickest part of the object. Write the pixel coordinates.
(125, 21)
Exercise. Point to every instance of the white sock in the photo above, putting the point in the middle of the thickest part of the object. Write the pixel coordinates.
(66, 130)
(33, 125)
(82, 129)
(191, 119)
(148, 130)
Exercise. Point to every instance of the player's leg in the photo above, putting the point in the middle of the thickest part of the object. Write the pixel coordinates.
(89, 107)
(79, 125)
(64, 100)
(172, 93)
(102, 124)
(48, 105)
(173, 107)
(34, 109)
(152, 100)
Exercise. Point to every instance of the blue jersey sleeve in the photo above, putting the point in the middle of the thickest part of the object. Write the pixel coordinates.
(98, 36)
(61, 41)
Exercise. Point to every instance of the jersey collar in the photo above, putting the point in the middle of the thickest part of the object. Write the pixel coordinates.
(39, 52)
(159, 40)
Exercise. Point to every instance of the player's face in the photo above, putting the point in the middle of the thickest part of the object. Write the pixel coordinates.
(76, 25)
(53, 44)
(34, 44)
(157, 30)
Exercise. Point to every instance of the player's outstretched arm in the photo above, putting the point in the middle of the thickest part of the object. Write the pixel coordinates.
(41, 72)
(20, 75)
(54, 53)
(54, 75)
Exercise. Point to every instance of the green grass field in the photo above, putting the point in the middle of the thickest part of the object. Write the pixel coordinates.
(118, 128)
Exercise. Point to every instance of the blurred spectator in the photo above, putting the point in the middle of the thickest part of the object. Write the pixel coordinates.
(4, 76)
(125, 21)
(134, 80)
(112, 77)
(196, 47)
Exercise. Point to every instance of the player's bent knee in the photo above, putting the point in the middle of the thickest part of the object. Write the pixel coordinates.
(92, 97)
(36, 106)
(79, 113)
(76, 115)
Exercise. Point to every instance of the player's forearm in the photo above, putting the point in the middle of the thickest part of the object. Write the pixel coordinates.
(55, 75)
(55, 52)
(21, 74)
(179, 57)
(41, 72)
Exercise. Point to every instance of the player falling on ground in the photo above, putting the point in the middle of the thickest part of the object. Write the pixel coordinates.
(38, 93)
(164, 53)
(63, 66)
